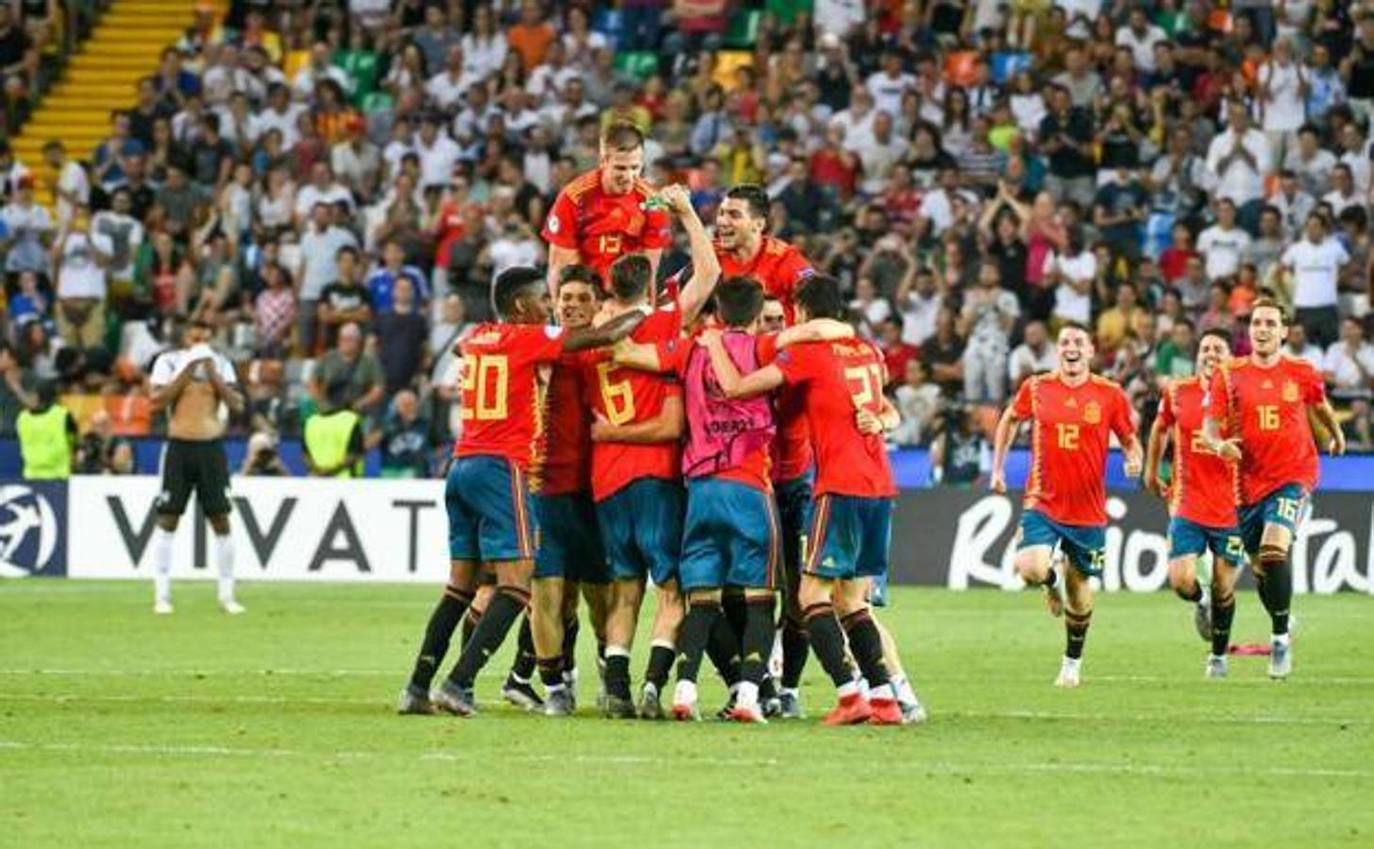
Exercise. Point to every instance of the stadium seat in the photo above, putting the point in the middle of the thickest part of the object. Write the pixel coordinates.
(743, 31)
(130, 415)
(1004, 66)
(609, 22)
(727, 62)
(640, 64)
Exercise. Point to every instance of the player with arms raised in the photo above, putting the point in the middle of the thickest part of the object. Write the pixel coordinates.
(636, 474)
(1257, 414)
(841, 384)
(490, 524)
(609, 212)
(1202, 500)
(1073, 414)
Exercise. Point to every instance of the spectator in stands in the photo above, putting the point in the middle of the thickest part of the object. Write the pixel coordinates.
(918, 401)
(274, 312)
(351, 373)
(402, 335)
(960, 455)
(943, 353)
(1175, 357)
(319, 253)
(27, 231)
(382, 282)
(404, 439)
(81, 259)
(333, 438)
(18, 67)
(1300, 346)
(261, 458)
(1314, 265)
(1035, 354)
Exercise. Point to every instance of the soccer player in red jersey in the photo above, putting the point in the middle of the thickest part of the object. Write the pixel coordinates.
(570, 555)
(1202, 500)
(608, 213)
(745, 250)
(487, 497)
(1262, 403)
(1073, 414)
(841, 386)
(636, 475)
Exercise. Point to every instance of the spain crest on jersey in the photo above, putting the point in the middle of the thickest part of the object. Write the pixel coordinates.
(1290, 391)
(1092, 413)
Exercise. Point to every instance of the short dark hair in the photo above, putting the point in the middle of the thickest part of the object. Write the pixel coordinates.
(821, 297)
(754, 197)
(739, 300)
(630, 276)
(579, 273)
(1218, 333)
(511, 284)
(622, 135)
(1073, 325)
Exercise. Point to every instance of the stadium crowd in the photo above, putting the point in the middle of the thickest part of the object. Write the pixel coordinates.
(334, 186)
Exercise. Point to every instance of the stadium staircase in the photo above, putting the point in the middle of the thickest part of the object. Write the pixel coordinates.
(102, 75)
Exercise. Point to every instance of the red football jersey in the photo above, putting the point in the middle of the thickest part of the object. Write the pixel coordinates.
(502, 395)
(1071, 431)
(629, 396)
(778, 267)
(792, 454)
(602, 228)
(835, 379)
(1205, 487)
(565, 462)
(1267, 409)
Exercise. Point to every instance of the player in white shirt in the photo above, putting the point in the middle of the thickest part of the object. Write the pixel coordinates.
(192, 384)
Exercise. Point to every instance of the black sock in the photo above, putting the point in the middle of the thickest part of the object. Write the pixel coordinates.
(438, 634)
(618, 675)
(693, 636)
(1276, 586)
(551, 672)
(469, 625)
(660, 664)
(1051, 578)
(1193, 593)
(1223, 612)
(1076, 631)
(506, 605)
(525, 659)
(601, 651)
(570, 629)
(757, 641)
(737, 611)
(796, 645)
(866, 644)
(827, 641)
(723, 648)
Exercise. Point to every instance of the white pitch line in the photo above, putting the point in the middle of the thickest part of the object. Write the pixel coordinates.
(382, 703)
(943, 767)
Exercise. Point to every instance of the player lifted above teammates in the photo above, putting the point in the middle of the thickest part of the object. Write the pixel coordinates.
(570, 553)
(1202, 500)
(840, 383)
(1073, 413)
(1257, 414)
(609, 212)
(191, 383)
(636, 476)
(490, 525)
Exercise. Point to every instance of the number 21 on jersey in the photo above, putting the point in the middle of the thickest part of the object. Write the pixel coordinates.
(486, 383)
(870, 384)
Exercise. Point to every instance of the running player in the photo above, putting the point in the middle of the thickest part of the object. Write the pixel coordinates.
(840, 383)
(191, 383)
(1262, 403)
(1073, 413)
(636, 476)
(486, 494)
(570, 552)
(609, 212)
(1202, 501)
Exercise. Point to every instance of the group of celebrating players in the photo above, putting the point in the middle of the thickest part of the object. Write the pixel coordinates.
(723, 438)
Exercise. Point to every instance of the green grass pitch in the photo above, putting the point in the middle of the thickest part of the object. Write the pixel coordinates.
(119, 729)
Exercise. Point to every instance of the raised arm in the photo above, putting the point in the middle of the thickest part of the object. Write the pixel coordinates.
(816, 330)
(226, 392)
(734, 385)
(559, 258)
(705, 266)
(166, 395)
(636, 356)
(667, 426)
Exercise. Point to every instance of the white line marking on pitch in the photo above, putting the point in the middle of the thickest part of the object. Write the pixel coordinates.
(381, 702)
(944, 767)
